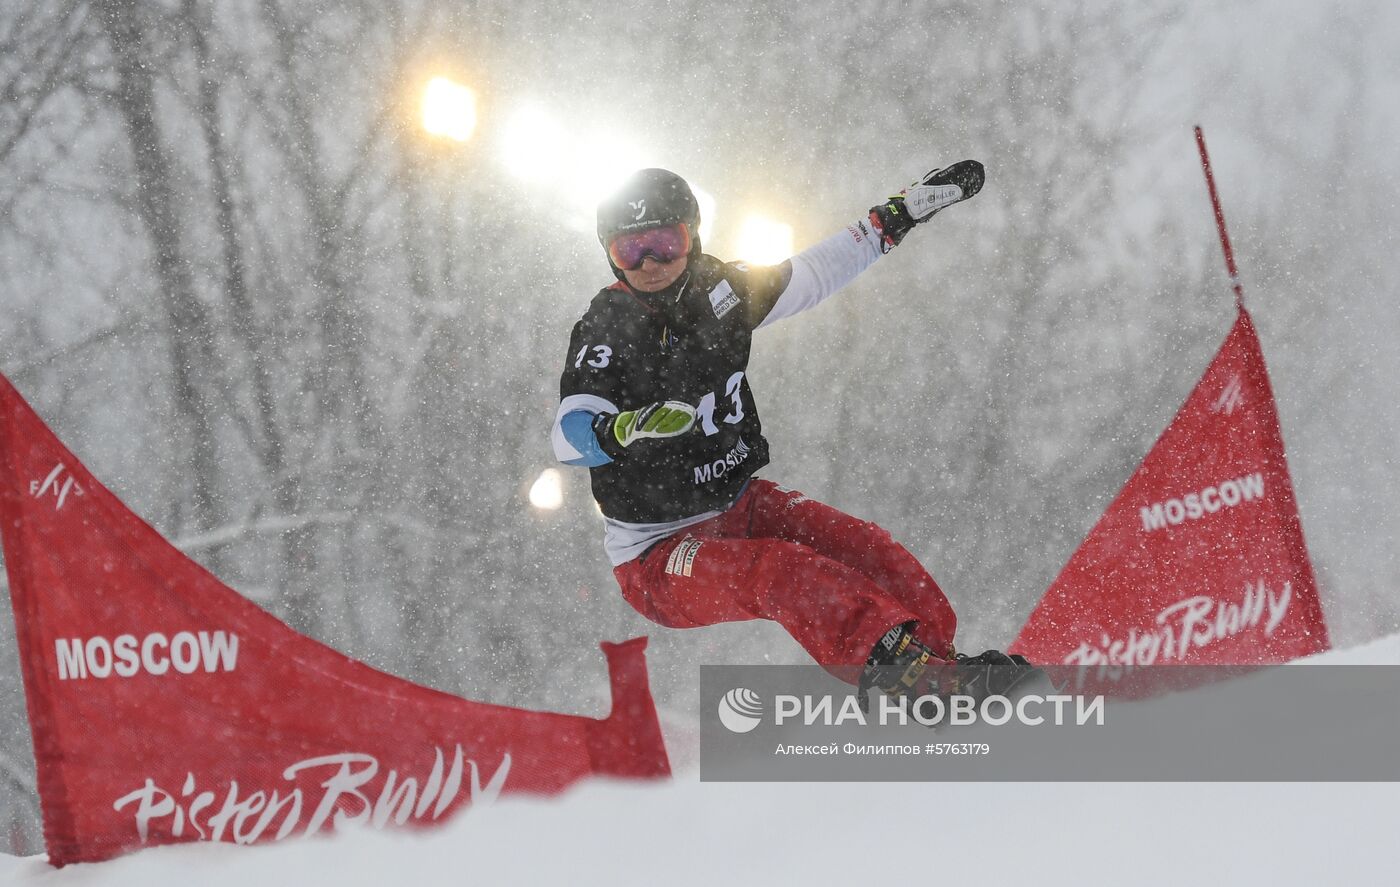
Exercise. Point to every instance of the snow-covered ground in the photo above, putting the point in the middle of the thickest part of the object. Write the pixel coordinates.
(686, 832)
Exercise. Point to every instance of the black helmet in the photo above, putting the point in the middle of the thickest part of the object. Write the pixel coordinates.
(650, 198)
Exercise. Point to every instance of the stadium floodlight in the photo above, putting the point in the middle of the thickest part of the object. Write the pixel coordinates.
(547, 492)
(449, 109)
(763, 241)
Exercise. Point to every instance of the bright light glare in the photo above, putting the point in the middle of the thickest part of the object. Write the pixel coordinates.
(707, 213)
(533, 145)
(602, 163)
(547, 492)
(582, 168)
(449, 109)
(763, 241)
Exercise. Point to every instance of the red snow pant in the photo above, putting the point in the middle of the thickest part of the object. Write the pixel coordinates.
(836, 583)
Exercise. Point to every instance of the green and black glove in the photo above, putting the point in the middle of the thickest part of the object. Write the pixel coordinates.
(617, 431)
(922, 200)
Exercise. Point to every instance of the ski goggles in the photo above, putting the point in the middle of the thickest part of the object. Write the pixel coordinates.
(665, 245)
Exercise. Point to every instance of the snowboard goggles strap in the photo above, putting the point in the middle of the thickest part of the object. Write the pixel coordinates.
(665, 245)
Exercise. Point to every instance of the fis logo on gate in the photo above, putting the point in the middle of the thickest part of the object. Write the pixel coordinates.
(1231, 397)
(126, 655)
(56, 486)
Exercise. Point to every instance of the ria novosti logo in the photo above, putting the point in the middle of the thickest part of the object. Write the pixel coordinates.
(740, 710)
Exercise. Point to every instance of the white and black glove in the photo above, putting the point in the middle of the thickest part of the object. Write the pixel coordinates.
(918, 203)
(617, 431)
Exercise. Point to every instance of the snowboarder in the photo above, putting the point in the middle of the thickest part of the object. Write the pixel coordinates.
(655, 401)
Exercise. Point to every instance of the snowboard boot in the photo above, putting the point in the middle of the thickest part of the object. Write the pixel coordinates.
(899, 666)
(992, 673)
(930, 196)
(921, 201)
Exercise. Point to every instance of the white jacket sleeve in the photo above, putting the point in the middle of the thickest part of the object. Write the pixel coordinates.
(824, 268)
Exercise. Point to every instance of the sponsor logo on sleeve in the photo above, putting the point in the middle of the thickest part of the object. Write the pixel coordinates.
(723, 298)
(682, 561)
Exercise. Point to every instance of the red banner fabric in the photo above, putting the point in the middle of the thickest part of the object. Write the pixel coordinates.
(1200, 559)
(165, 707)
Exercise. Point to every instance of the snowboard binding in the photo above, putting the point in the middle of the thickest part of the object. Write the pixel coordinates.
(901, 666)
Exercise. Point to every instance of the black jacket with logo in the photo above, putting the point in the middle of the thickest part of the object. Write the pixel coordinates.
(689, 344)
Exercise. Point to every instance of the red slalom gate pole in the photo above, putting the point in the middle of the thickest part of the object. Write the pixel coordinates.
(1220, 221)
